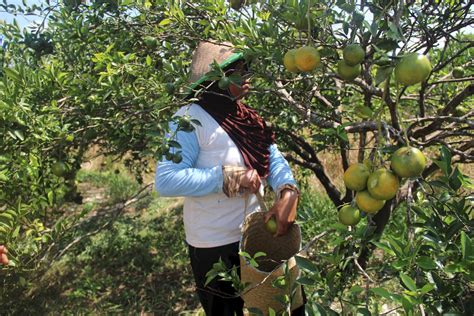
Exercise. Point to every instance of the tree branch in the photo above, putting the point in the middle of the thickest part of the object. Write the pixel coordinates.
(458, 99)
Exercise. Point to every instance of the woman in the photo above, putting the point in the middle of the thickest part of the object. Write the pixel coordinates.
(229, 156)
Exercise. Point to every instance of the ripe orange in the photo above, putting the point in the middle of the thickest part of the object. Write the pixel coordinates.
(271, 226)
(367, 203)
(353, 54)
(307, 58)
(289, 61)
(355, 177)
(412, 69)
(347, 72)
(383, 184)
(349, 215)
(408, 162)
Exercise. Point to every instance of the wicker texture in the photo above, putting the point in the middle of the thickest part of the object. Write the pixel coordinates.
(255, 238)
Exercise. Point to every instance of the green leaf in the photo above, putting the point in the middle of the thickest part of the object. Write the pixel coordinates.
(255, 311)
(408, 281)
(407, 304)
(165, 22)
(382, 74)
(363, 312)
(356, 289)
(12, 74)
(466, 247)
(306, 281)
(148, 60)
(426, 263)
(427, 288)
(173, 143)
(380, 291)
(306, 264)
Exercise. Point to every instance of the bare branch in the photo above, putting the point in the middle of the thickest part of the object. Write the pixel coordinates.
(458, 99)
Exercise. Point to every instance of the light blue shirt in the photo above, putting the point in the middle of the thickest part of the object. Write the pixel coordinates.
(184, 179)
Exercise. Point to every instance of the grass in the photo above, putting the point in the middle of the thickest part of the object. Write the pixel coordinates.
(138, 264)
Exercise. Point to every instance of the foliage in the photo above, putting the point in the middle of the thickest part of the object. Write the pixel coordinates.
(112, 73)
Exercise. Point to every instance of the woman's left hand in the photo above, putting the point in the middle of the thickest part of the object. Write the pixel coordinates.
(284, 211)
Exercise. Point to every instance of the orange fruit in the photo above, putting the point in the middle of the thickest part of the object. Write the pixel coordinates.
(365, 202)
(353, 54)
(347, 72)
(355, 177)
(458, 72)
(408, 162)
(224, 83)
(349, 215)
(271, 226)
(289, 61)
(59, 168)
(383, 184)
(412, 69)
(307, 58)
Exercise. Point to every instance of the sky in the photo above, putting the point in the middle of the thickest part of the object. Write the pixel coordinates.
(22, 20)
(28, 20)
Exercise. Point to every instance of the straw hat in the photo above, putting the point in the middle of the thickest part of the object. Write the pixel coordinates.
(205, 54)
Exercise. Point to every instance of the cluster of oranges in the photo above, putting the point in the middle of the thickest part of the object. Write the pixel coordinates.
(349, 67)
(411, 68)
(375, 187)
(304, 59)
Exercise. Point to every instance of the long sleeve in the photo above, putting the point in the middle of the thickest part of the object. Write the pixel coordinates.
(183, 179)
(280, 172)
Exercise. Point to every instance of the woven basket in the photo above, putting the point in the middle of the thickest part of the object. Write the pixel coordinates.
(255, 238)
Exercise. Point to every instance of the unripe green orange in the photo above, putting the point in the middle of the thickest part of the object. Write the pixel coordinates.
(412, 69)
(289, 61)
(353, 54)
(355, 177)
(408, 162)
(347, 72)
(349, 215)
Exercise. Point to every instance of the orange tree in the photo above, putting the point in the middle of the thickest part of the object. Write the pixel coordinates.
(111, 73)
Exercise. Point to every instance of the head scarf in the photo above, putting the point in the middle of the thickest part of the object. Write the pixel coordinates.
(245, 127)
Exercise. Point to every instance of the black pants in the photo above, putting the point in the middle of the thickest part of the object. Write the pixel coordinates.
(218, 298)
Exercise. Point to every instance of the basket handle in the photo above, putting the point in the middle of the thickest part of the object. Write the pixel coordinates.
(261, 201)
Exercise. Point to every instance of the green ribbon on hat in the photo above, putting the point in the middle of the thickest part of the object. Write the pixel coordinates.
(230, 60)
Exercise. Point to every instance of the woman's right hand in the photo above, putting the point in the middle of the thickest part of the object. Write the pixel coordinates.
(3, 255)
(250, 181)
